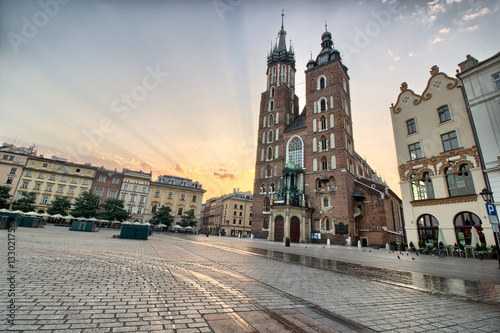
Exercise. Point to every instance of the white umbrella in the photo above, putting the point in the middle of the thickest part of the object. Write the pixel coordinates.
(4, 210)
(93, 219)
(32, 214)
(45, 215)
(177, 226)
(17, 212)
(189, 227)
(57, 216)
(69, 217)
(474, 237)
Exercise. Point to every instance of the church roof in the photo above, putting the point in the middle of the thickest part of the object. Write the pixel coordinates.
(298, 123)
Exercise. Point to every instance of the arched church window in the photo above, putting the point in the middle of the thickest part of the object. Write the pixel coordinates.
(460, 183)
(323, 123)
(323, 105)
(269, 153)
(324, 164)
(272, 92)
(295, 151)
(324, 143)
(322, 83)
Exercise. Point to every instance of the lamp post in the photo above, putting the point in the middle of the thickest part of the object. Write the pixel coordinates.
(487, 196)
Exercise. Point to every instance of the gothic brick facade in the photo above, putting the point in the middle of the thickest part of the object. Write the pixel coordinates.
(309, 182)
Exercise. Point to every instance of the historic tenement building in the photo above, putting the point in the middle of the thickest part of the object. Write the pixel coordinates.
(310, 185)
(439, 165)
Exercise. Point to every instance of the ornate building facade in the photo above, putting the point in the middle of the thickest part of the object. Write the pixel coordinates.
(309, 181)
(439, 165)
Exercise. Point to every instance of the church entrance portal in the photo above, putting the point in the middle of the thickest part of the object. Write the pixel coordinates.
(279, 228)
(295, 229)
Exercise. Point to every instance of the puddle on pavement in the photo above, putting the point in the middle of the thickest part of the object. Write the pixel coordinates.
(478, 291)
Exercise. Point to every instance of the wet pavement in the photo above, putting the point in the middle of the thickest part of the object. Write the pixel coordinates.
(68, 281)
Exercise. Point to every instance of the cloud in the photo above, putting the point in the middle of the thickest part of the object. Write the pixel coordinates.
(412, 54)
(180, 168)
(471, 28)
(393, 56)
(436, 40)
(444, 31)
(471, 14)
(224, 176)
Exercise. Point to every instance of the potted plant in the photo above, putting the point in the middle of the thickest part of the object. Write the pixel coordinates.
(393, 246)
(412, 247)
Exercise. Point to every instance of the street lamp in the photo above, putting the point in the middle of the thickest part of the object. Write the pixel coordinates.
(487, 196)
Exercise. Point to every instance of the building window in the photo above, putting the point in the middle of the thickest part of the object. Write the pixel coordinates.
(170, 195)
(444, 114)
(64, 178)
(428, 228)
(194, 198)
(13, 171)
(73, 180)
(45, 165)
(37, 186)
(270, 136)
(131, 210)
(157, 193)
(422, 188)
(142, 200)
(322, 83)
(450, 141)
(322, 123)
(496, 79)
(269, 153)
(324, 143)
(102, 179)
(115, 181)
(29, 173)
(45, 200)
(124, 197)
(10, 180)
(183, 196)
(60, 189)
(132, 198)
(154, 207)
(460, 183)
(272, 92)
(41, 175)
(139, 210)
(267, 204)
(180, 210)
(48, 188)
(71, 190)
(262, 189)
(323, 105)
(271, 105)
(464, 222)
(271, 120)
(269, 172)
(134, 189)
(415, 151)
(411, 126)
(326, 203)
(295, 151)
(324, 164)
(25, 184)
(144, 190)
(112, 192)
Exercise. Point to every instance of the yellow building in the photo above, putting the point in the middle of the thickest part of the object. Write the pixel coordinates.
(52, 178)
(180, 194)
(12, 162)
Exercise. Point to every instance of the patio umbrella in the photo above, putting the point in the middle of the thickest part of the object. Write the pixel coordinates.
(4, 210)
(32, 214)
(177, 226)
(474, 237)
(57, 216)
(17, 212)
(69, 217)
(189, 228)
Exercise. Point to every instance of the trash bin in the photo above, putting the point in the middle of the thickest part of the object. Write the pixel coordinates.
(287, 242)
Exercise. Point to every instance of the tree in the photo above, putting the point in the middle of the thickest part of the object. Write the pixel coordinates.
(25, 203)
(86, 205)
(163, 215)
(4, 195)
(113, 210)
(59, 206)
(188, 219)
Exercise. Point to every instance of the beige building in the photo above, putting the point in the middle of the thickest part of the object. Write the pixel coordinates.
(51, 178)
(180, 194)
(134, 193)
(230, 214)
(439, 166)
(12, 161)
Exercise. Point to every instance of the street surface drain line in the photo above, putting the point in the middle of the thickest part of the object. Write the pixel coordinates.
(375, 278)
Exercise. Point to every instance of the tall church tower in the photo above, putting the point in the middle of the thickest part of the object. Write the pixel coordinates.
(278, 108)
(330, 157)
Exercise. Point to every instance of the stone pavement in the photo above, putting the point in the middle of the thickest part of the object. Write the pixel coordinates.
(68, 281)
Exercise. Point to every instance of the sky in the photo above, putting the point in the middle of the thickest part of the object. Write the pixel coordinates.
(173, 87)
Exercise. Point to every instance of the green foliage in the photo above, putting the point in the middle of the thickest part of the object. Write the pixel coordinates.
(86, 205)
(411, 245)
(25, 204)
(59, 206)
(114, 210)
(392, 243)
(188, 219)
(164, 216)
(421, 244)
(4, 195)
